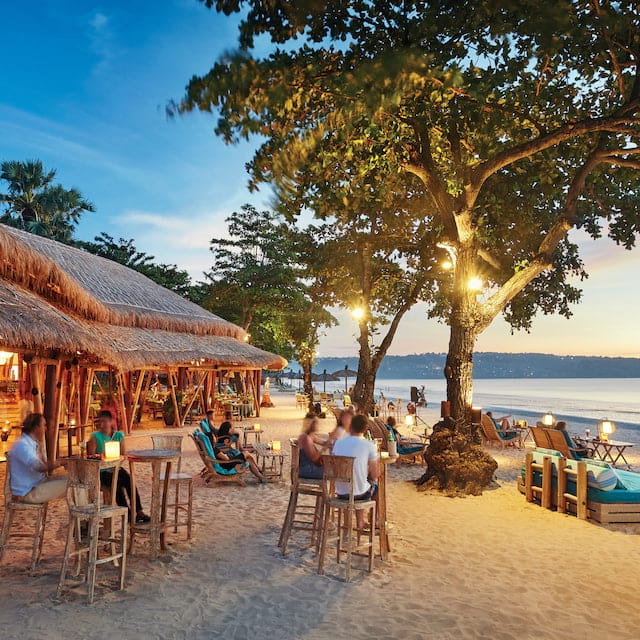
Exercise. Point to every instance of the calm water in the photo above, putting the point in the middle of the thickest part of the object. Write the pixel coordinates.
(582, 402)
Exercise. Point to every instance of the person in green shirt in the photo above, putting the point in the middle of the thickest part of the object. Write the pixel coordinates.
(95, 446)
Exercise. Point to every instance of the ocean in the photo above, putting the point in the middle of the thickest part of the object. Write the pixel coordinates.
(582, 402)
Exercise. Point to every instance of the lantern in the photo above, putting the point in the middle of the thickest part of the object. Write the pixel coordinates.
(111, 450)
(605, 429)
(548, 420)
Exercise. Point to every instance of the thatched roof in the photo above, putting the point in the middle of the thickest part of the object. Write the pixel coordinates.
(29, 322)
(101, 290)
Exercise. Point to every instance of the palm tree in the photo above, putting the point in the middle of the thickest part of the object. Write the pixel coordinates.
(36, 204)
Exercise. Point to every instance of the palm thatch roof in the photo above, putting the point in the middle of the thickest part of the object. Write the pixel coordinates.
(29, 322)
(99, 289)
(58, 298)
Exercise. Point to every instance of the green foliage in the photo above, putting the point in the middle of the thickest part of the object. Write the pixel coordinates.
(519, 119)
(38, 205)
(125, 252)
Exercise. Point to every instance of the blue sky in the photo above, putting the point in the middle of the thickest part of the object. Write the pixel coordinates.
(84, 88)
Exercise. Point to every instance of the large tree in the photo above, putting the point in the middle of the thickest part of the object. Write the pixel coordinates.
(521, 120)
(125, 252)
(38, 205)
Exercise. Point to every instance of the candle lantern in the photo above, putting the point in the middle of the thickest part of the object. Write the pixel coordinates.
(256, 427)
(606, 429)
(4, 434)
(275, 446)
(548, 420)
(111, 450)
(410, 420)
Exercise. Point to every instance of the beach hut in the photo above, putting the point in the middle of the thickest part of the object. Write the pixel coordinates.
(67, 315)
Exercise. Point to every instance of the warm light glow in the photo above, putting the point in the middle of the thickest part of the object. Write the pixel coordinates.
(475, 283)
(247, 337)
(275, 446)
(410, 420)
(111, 450)
(605, 429)
(5, 356)
(548, 420)
(72, 422)
(256, 427)
(357, 313)
(447, 265)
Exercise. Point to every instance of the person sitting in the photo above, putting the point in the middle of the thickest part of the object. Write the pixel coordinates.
(403, 446)
(317, 410)
(583, 452)
(30, 468)
(228, 457)
(207, 426)
(366, 470)
(502, 423)
(309, 451)
(342, 427)
(95, 446)
(227, 430)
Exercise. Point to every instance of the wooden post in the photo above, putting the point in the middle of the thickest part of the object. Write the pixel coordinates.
(256, 390)
(36, 387)
(194, 396)
(136, 396)
(121, 403)
(581, 490)
(546, 482)
(562, 485)
(85, 400)
(50, 410)
(528, 477)
(172, 386)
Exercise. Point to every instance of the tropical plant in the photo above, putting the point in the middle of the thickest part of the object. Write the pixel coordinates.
(38, 205)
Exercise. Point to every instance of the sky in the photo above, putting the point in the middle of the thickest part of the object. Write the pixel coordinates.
(84, 88)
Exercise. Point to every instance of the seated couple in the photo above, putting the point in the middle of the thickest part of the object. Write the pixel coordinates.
(365, 466)
(226, 429)
(95, 446)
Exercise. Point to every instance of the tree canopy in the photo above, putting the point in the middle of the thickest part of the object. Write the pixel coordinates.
(38, 205)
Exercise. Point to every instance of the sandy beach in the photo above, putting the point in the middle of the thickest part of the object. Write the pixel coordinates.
(483, 567)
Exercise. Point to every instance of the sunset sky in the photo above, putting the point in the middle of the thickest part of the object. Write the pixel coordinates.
(84, 89)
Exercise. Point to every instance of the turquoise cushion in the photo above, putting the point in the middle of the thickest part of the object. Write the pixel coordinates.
(600, 475)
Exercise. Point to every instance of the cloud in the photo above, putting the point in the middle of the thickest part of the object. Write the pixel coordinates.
(99, 21)
(102, 41)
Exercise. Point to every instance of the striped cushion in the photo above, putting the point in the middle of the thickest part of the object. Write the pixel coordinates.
(600, 475)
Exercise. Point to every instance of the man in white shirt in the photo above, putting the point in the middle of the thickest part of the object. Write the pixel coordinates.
(366, 468)
(29, 467)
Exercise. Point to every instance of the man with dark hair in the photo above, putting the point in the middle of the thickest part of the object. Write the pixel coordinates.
(226, 429)
(366, 468)
(30, 468)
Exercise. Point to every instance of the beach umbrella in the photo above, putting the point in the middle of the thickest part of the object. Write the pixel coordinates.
(323, 377)
(345, 373)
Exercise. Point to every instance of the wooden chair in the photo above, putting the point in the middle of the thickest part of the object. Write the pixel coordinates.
(558, 441)
(540, 438)
(340, 469)
(179, 480)
(501, 438)
(301, 517)
(11, 505)
(379, 430)
(213, 472)
(83, 498)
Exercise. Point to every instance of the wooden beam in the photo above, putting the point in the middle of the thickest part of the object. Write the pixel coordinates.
(172, 387)
(50, 410)
(85, 407)
(256, 391)
(36, 387)
(193, 397)
(136, 395)
(122, 407)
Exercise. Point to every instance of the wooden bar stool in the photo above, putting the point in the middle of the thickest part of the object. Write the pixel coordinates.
(340, 469)
(11, 505)
(179, 480)
(83, 498)
(302, 517)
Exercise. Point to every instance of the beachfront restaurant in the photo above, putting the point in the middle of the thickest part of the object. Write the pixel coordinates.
(79, 333)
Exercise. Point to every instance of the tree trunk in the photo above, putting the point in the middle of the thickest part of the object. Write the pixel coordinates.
(363, 390)
(456, 463)
(307, 383)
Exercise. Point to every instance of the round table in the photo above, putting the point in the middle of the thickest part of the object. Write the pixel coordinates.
(156, 527)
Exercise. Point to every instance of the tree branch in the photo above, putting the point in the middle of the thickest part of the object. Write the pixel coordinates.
(614, 123)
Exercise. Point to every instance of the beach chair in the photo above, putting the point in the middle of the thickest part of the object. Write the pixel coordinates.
(213, 471)
(540, 437)
(492, 435)
(407, 451)
(561, 441)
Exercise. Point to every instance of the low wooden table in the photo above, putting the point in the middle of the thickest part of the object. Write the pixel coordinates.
(272, 461)
(246, 432)
(156, 528)
(607, 450)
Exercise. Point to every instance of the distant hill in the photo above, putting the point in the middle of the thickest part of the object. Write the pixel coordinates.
(497, 365)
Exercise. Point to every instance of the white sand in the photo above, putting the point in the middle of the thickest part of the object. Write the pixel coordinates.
(486, 567)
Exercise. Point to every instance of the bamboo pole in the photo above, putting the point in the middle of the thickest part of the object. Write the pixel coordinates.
(86, 396)
(136, 395)
(256, 391)
(123, 409)
(36, 388)
(194, 396)
(177, 420)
